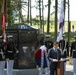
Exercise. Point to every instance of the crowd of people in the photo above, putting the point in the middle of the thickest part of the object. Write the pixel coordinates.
(49, 54)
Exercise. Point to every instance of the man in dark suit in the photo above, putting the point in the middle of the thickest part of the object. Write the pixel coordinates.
(54, 55)
(73, 55)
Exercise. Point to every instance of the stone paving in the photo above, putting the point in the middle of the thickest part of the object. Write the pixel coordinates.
(69, 71)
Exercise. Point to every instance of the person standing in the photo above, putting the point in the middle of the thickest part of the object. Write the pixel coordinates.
(54, 55)
(63, 45)
(41, 59)
(73, 55)
(2, 55)
(10, 51)
(73, 28)
(48, 42)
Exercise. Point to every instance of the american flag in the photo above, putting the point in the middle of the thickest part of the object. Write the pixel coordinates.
(61, 22)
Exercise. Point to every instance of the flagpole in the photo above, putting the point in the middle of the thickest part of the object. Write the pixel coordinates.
(3, 6)
(64, 12)
(3, 21)
(68, 24)
(64, 16)
(56, 10)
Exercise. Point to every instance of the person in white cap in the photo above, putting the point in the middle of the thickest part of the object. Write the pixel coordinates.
(2, 55)
(48, 41)
(63, 45)
(10, 51)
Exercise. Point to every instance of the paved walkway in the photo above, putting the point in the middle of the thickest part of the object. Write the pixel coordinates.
(69, 71)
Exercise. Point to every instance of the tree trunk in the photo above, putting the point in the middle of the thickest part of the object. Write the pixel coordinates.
(48, 20)
(20, 16)
(68, 23)
(30, 14)
(8, 12)
(40, 14)
(20, 12)
(64, 7)
(56, 7)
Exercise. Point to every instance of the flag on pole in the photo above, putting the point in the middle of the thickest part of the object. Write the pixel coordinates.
(61, 22)
(3, 25)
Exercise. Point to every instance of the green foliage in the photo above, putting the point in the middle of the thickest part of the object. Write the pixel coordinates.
(71, 36)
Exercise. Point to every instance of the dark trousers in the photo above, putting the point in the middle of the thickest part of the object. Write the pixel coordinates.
(52, 71)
